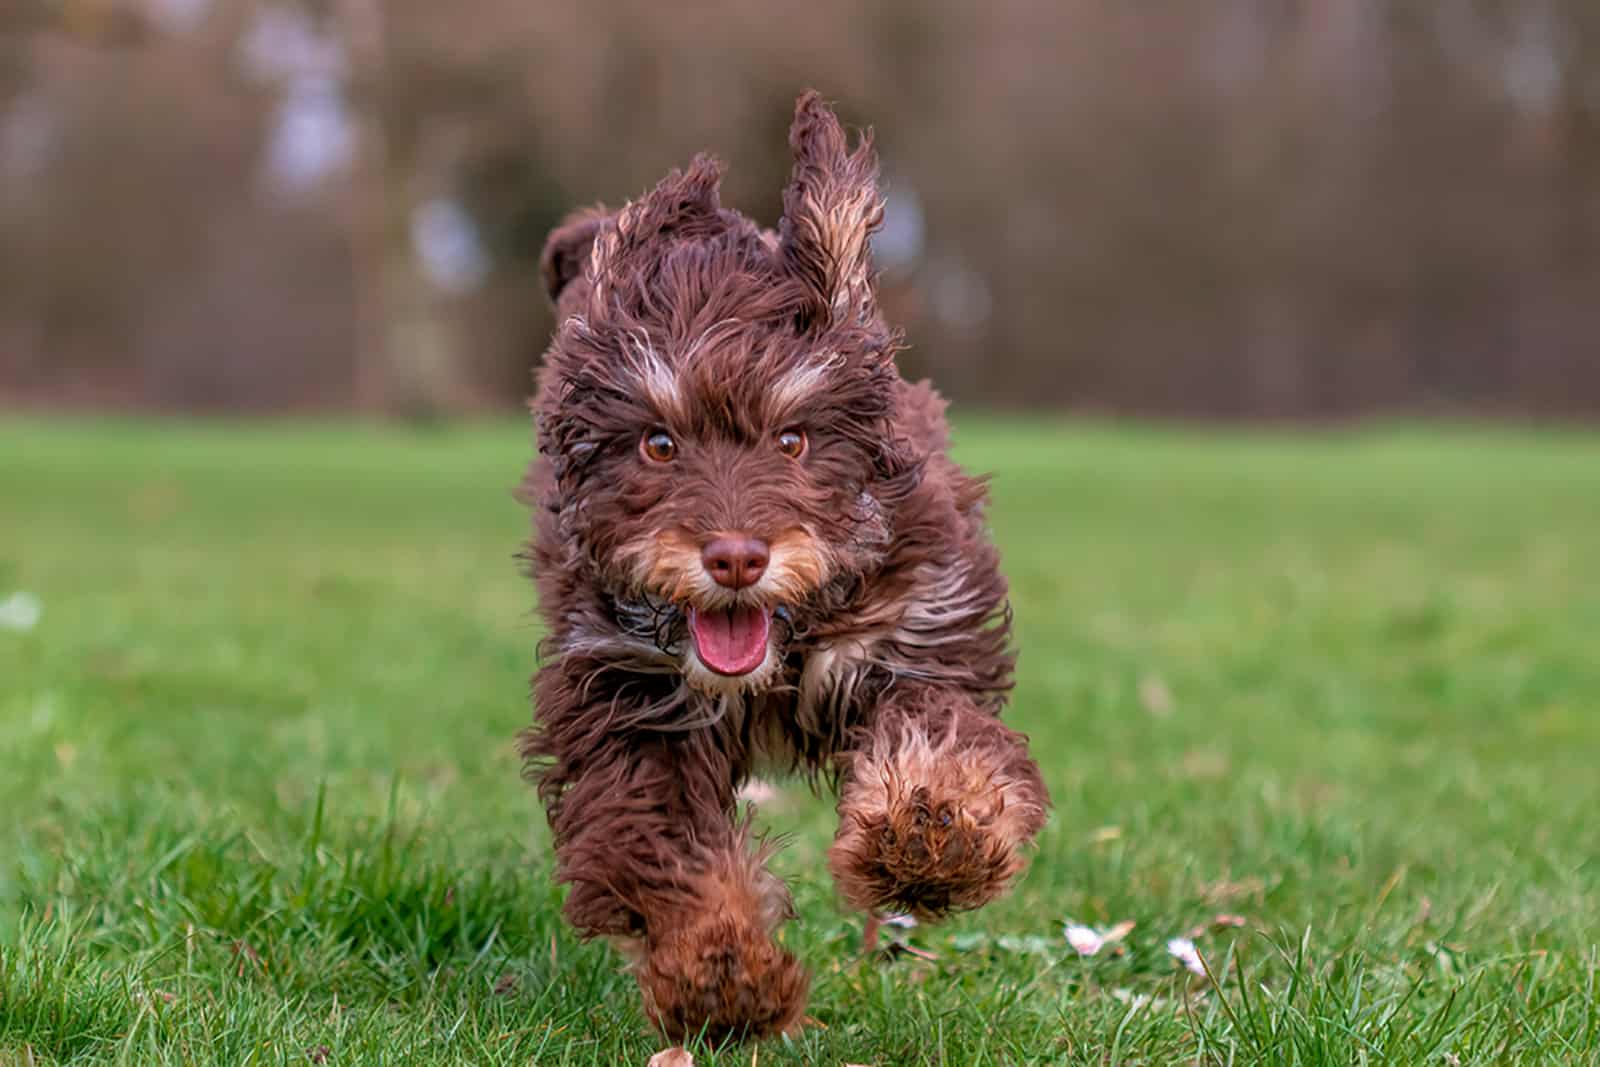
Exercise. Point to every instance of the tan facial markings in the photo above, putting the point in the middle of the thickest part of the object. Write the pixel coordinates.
(669, 565)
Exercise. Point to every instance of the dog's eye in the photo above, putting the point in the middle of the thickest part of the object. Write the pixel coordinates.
(658, 446)
(792, 442)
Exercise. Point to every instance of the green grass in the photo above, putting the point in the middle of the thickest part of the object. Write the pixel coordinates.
(261, 798)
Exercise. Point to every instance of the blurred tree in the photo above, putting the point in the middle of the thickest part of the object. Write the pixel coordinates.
(1223, 208)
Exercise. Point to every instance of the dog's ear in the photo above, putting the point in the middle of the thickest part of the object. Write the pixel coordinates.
(591, 245)
(566, 250)
(830, 210)
(683, 204)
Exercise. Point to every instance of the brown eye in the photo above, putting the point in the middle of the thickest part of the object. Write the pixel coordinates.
(658, 446)
(792, 443)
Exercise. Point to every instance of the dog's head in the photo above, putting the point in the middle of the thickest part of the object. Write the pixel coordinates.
(717, 403)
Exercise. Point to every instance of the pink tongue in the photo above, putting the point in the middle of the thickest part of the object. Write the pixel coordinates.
(733, 641)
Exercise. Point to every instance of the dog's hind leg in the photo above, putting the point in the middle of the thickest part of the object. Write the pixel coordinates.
(645, 835)
(937, 804)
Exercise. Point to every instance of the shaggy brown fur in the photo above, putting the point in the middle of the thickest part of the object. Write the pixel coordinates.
(713, 384)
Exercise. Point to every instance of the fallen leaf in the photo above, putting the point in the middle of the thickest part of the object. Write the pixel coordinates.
(671, 1057)
(1182, 949)
(1205, 765)
(242, 951)
(1155, 696)
(505, 985)
(21, 612)
(1226, 891)
(319, 1054)
(895, 949)
(1216, 922)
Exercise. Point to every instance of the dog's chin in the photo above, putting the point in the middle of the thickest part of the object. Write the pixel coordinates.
(703, 679)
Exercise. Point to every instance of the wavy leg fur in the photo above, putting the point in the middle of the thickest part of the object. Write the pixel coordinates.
(713, 968)
(645, 836)
(938, 803)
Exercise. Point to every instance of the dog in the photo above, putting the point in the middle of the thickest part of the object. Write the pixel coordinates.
(752, 553)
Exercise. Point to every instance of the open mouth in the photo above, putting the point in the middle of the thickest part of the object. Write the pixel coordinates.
(731, 641)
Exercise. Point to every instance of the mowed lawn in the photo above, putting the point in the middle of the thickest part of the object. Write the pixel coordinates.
(1341, 689)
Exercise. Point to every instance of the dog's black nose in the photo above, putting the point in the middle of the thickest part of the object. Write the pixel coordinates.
(735, 560)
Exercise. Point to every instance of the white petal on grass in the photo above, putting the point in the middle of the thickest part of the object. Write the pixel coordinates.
(1183, 950)
(671, 1057)
(1087, 941)
(20, 612)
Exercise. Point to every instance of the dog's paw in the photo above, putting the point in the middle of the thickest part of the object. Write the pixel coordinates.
(930, 826)
(925, 856)
(720, 978)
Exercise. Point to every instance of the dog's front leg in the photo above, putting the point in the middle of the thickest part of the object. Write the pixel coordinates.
(937, 804)
(645, 835)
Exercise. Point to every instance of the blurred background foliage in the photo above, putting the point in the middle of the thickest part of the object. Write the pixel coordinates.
(1211, 208)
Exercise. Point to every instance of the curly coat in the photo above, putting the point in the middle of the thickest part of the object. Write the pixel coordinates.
(710, 379)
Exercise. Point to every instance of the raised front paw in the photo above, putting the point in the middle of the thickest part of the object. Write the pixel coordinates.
(720, 978)
(929, 826)
(925, 856)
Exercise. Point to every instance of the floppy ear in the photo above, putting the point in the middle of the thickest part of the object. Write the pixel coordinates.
(830, 210)
(566, 250)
